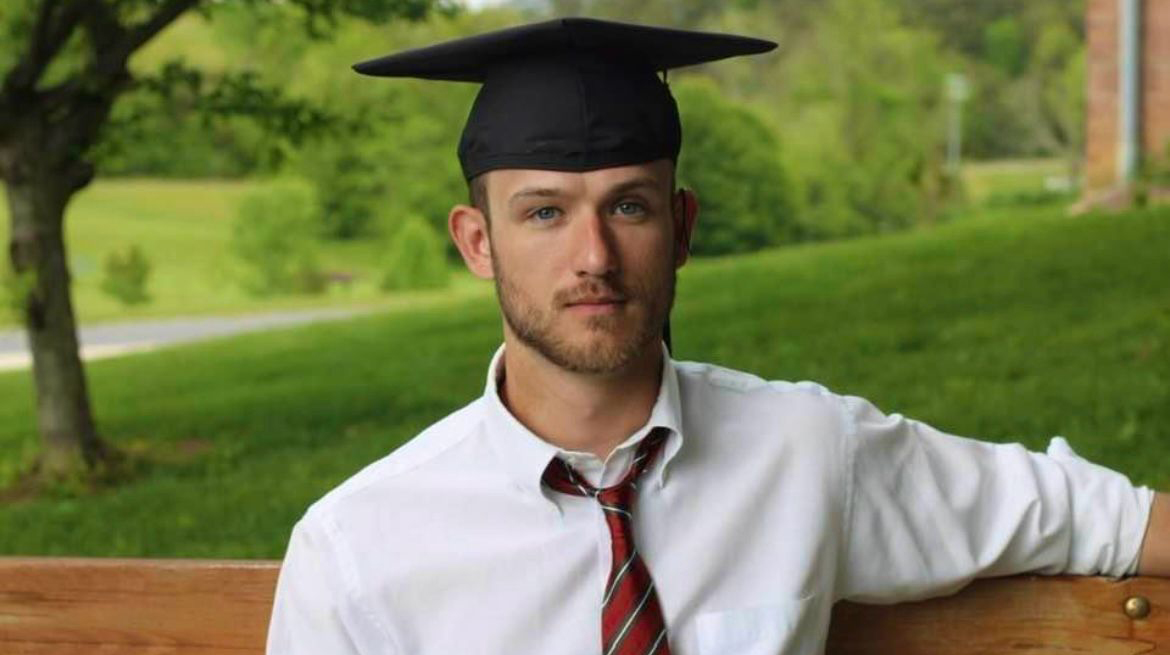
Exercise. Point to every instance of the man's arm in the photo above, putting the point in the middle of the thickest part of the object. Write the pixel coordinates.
(1155, 557)
(308, 615)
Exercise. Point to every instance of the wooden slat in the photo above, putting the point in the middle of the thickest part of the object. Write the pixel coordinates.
(1025, 614)
(75, 606)
(51, 606)
(1156, 628)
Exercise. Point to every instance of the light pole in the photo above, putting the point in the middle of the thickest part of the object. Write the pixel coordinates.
(957, 92)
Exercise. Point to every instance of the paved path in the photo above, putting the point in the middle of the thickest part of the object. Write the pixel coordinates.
(107, 340)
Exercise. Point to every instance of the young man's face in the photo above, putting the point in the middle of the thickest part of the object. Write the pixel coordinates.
(584, 263)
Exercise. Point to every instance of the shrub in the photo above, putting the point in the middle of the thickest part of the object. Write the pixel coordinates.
(124, 276)
(862, 121)
(14, 291)
(416, 258)
(399, 167)
(349, 182)
(732, 160)
(1028, 198)
(273, 237)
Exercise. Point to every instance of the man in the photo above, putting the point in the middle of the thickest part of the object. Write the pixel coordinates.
(603, 498)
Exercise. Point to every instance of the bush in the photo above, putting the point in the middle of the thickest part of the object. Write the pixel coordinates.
(1028, 198)
(349, 183)
(273, 237)
(14, 291)
(416, 258)
(124, 276)
(862, 122)
(402, 165)
(732, 160)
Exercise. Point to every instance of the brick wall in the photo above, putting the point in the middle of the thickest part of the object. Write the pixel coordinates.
(1155, 115)
(1101, 70)
(1102, 119)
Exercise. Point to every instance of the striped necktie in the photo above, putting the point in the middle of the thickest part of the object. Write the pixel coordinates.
(631, 619)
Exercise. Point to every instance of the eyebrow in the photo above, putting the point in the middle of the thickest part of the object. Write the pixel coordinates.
(540, 192)
(636, 183)
(552, 192)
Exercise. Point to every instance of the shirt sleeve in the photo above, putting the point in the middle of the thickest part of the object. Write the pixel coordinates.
(928, 511)
(313, 610)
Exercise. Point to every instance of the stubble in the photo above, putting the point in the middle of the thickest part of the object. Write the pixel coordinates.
(610, 343)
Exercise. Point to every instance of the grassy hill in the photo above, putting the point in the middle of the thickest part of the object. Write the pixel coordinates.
(1010, 326)
(184, 228)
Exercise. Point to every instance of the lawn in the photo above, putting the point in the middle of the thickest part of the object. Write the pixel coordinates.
(1003, 181)
(1014, 326)
(184, 228)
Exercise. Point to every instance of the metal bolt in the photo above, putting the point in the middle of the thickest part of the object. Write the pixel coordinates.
(1137, 607)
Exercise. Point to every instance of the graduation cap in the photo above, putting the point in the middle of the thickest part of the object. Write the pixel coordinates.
(571, 94)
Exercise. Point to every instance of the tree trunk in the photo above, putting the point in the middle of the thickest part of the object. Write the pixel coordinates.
(37, 253)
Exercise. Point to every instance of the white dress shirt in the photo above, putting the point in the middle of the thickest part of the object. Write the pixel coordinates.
(769, 502)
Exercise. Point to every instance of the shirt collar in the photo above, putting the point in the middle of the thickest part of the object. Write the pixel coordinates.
(524, 455)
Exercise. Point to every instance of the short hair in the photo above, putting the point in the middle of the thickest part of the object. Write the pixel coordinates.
(478, 195)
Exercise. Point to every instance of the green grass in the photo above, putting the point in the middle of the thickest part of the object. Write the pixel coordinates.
(1002, 181)
(1002, 329)
(184, 229)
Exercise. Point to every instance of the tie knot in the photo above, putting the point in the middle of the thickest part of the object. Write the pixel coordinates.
(620, 496)
(560, 476)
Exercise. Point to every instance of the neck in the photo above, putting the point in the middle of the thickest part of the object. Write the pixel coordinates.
(590, 413)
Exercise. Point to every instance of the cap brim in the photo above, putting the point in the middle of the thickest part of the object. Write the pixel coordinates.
(469, 59)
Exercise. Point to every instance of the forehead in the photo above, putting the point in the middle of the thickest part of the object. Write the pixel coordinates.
(506, 183)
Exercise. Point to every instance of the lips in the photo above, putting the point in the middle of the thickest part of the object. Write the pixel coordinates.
(601, 300)
(592, 294)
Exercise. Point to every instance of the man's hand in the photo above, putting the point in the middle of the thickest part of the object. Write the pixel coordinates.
(1155, 557)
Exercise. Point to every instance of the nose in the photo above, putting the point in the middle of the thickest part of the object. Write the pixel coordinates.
(594, 247)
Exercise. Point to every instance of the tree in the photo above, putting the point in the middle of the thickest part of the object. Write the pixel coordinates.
(1025, 60)
(369, 184)
(1056, 78)
(65, 63)
(732, 159)
(860, 121)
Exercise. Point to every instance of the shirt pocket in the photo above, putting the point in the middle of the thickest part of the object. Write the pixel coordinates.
(790, 627)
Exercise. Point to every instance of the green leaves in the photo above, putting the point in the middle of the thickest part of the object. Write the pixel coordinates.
(273, 238)
(862, 121)
(242, 93)
(732, 159)
(125, 274)
(83, 50)
(322, 16)
(415, 258)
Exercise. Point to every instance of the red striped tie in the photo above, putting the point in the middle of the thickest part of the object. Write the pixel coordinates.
(631, 619)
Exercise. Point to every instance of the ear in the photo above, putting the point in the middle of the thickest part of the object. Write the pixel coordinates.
(469, 230)
(686, 212)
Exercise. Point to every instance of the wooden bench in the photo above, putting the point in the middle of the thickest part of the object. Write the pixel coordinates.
(74, 606)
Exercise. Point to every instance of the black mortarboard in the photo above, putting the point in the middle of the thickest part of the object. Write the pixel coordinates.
(571, 94)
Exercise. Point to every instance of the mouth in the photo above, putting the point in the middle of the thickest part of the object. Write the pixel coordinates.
(596, 304)
(597, 300)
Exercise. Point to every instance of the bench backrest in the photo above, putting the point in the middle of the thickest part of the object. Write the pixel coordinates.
(70, 606)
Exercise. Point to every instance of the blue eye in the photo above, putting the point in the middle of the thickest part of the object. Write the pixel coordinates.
(629, 208)
(545, 213)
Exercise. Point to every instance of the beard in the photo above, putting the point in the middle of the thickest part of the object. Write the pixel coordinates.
(611, 341)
